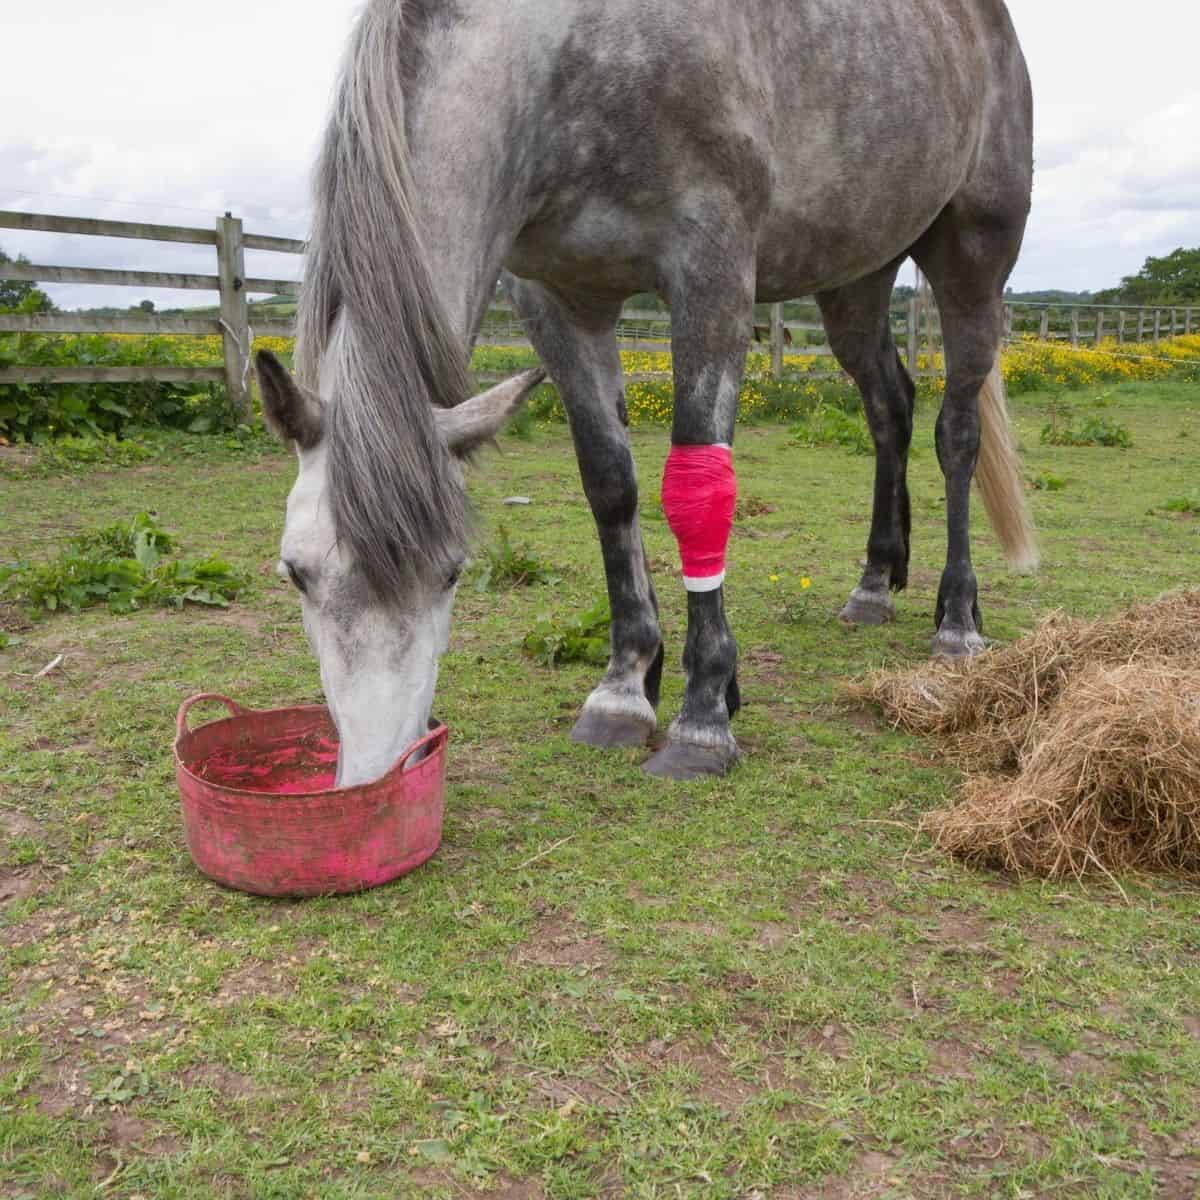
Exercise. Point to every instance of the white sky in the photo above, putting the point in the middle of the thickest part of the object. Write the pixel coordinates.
(172, 111)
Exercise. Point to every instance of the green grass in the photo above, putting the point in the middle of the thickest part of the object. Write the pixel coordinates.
(763, 984)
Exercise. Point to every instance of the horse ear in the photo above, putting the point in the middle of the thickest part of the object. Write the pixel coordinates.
(293, 415)
(466, 426)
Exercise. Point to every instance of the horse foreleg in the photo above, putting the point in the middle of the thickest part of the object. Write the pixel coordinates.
(576, 339)
(711, 314)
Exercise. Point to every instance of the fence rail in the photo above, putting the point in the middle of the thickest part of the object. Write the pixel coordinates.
(915, 325)
(231, 283)
(111, 374)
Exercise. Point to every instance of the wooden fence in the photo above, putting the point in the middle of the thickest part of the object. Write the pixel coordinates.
(915, 325)
(230, 282)
(916, 328)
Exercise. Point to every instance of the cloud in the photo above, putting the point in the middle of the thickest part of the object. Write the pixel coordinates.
(173, 113)
(1115, 196)
(93, 179)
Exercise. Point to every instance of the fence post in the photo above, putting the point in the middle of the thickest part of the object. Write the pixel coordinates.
(235, 317)
(1044, 327)
(1121, 326)
(1008, 324)
(1074, 328)
(931, 334)
(1173, 312)
(1141, 325)
(1187, 324)
(1157, 325)
(776, 341)
(910, 330)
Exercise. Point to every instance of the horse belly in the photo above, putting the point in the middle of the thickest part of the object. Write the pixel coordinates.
(823, 238)
(602, 247)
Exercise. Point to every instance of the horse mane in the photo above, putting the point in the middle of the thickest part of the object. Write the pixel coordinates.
(372, 333)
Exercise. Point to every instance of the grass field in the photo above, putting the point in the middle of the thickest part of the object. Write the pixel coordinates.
(762, 986)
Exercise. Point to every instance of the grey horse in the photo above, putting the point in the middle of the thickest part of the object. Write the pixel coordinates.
(588, 150)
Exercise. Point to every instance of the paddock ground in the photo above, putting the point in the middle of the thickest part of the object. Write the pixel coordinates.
(762, 986)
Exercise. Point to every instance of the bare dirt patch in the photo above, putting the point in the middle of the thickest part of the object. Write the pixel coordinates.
(772, 935)
(14, 824)
(129, 1133)
(764, 665)
(872, 1175)
(241, 618)
(517, 1189)
(60, 1091)
(574, 1091)
(957, 931)
(480, 763)
(251, 980)
(230, 1084)
(558, 940)
(16, 885)
(1079, 1063)
(864, 720)
(1004, 983)
(716, 1082)
(831, 1039)
(951, 1059)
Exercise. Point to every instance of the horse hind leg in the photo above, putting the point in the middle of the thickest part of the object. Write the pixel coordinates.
(576, 339)
(858, 326)
(967, 256)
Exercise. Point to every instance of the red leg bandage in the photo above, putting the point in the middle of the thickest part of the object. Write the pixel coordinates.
(699, 491)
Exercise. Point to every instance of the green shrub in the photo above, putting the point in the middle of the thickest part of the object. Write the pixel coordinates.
(580, 639)
(123, 566)
(1095, 430)
(829, 425)
(1048, 482)
(34, 411)
(1182, 504)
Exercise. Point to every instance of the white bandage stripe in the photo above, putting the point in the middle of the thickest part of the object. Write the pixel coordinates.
(709, 583)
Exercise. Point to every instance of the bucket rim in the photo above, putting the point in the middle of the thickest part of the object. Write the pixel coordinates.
(434, 742)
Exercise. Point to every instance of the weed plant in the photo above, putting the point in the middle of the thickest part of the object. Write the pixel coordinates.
(504, 566)
(583, 638)
(124, 566)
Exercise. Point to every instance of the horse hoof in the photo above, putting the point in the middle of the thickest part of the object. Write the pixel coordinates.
(686, 760)
(868, 608)
(608, 731)
(957, 643)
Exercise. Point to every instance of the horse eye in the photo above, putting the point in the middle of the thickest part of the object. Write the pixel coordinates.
(297, 579)
(452, 578)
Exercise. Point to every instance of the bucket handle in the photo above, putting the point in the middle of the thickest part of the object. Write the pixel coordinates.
(181, 726)
(434, 740)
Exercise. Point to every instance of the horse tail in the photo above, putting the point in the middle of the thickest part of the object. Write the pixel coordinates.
(998, 474)
(372, 331)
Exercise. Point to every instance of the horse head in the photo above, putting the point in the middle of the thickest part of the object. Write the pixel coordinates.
(378, 654)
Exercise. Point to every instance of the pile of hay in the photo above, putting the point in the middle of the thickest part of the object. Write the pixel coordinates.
(1082, 740)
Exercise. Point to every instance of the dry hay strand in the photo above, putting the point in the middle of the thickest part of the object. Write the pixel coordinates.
(1112, 784)
(987, 707)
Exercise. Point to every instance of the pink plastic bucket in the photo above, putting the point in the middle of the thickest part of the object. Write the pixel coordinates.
(261, 814)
